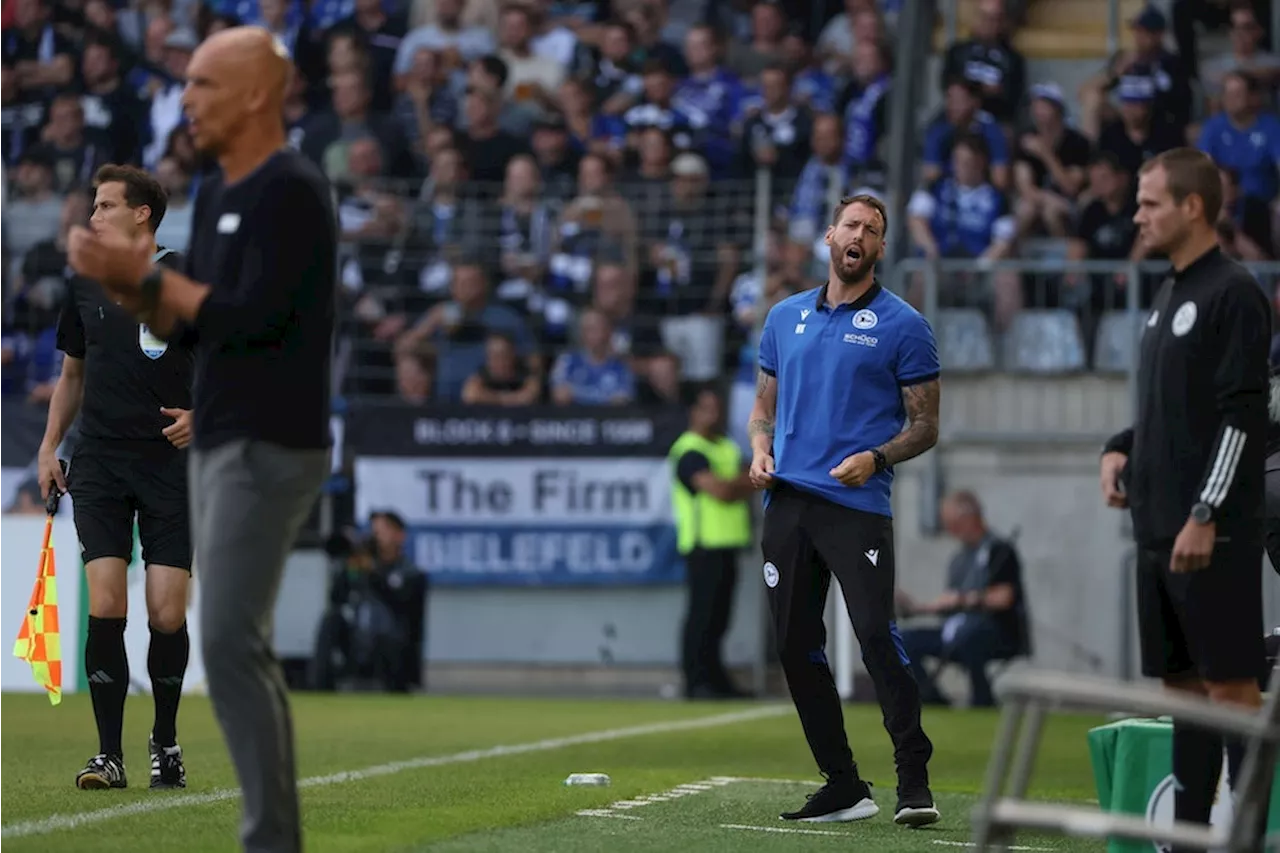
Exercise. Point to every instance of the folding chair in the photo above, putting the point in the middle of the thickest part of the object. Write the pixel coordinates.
(1028, 696)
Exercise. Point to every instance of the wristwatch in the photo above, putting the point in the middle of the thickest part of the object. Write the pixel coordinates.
(881, 462)
(1202, 513)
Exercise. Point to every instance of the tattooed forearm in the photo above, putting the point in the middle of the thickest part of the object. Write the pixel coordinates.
(922, 429)
(764, 384)
(759, 426)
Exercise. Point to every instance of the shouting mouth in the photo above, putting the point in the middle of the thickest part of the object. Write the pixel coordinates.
(853, 254)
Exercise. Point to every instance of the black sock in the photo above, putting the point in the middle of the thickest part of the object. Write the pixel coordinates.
(1197, 767)
(107, 668)
(167, 664)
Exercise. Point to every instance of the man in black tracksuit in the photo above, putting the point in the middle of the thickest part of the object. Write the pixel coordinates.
(1191, 468)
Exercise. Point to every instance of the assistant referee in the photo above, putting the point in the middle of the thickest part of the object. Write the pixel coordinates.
(258, 301)
(842, 367)
(1190, 469)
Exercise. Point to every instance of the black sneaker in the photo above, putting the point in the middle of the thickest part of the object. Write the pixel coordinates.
(915, 802)
(838, 800)
(166, 766)
(102, 771)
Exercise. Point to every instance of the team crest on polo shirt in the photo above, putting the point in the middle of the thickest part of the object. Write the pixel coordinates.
(151, 346)
(1184, 319)
(770, 575)
(865, 319)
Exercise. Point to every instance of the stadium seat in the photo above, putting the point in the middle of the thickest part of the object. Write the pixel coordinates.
(1044, 341)
(964, 341)
(1116, 344)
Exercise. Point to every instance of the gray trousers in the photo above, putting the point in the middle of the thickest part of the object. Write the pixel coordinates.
(248, 502)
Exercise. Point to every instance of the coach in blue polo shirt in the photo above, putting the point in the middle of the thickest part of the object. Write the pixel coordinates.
(842, 368)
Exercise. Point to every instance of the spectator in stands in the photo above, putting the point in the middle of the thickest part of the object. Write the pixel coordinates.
(989, 60)
(109, 107)
(636, 336)
(42, 59)
(489, 74)
(1244, 138)
(446, 219)
(1212, 14)
(524, 228)
(329, 134)
(166, 95)
(860, 21)
(1138, 132)
(647, 21)
(504, 379)
(824, 177)
(656, 109)
(592, 374)
(449, 32)
(380, 34)
(489, 148)
(983, 606)
(966, 216)
(864, 103)
(20, 119)
(455, 332)
(712, 97)
(775, 135)
(1049, 171)
(694, 259)
(1246, 56)
(532, 79)
(413, 379)
(598, 226)
(42, 279)
(961, 114)
(32, 210)
(148, 73)
(425, 102)
(482, 14)
(75, 151)
(556, 158)
(175, 229)
(768, 27)
(1165, 73)
(811, 85)
(1248, 220)
(555, 37)
(614, 72)
(1105, 232)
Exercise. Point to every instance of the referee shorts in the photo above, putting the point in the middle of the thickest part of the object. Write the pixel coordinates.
(1206, 623)
(110, 486)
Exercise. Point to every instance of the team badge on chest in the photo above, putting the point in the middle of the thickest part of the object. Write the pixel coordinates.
(151, 346)
(1184, 319)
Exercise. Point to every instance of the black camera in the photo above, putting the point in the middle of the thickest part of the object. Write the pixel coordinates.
(348, 543)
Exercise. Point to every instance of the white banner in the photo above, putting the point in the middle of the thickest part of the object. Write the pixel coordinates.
(481, 492)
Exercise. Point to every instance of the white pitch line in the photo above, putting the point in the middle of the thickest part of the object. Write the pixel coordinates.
(759, 781)
(62, 822)
(971, 844)
(784, 830)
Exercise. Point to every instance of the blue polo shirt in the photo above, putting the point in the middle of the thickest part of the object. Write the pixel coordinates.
(840, 375)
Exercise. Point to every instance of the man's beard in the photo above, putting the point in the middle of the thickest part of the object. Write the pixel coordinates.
(851, 271)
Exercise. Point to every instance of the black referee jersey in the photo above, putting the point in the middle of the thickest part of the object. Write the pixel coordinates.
(1200, 433)
(129, 374)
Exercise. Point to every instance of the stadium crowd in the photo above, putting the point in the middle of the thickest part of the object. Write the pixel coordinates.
(557, 201)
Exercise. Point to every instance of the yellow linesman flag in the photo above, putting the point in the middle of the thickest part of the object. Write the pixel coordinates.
(38, 641)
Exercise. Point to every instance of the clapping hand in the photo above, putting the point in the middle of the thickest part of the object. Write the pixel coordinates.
(117, 262)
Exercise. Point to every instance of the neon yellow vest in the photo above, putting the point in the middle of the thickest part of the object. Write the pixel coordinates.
(701, 520)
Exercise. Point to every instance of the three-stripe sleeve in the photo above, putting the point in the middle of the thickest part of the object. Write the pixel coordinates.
(1224, 465)
(1242, 324)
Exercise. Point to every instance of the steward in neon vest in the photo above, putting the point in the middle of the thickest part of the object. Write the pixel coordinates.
(709, 492)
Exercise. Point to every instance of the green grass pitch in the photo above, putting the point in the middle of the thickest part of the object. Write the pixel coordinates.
(392, 774)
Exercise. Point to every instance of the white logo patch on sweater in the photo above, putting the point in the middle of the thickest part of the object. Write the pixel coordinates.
(1184, 319)
(151, 346)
